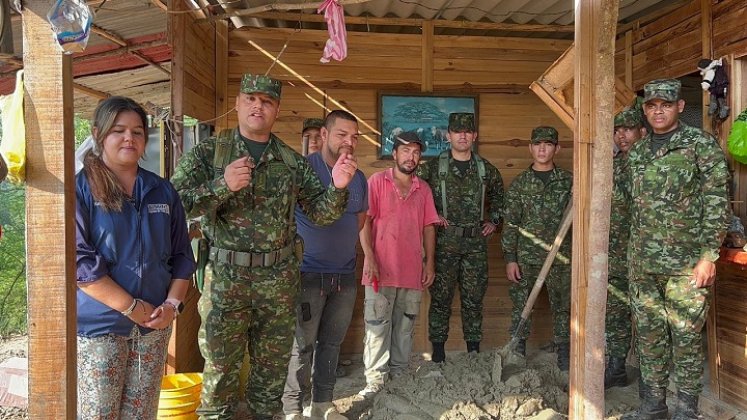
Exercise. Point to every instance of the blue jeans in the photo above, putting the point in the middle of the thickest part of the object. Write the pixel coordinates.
(325, 307)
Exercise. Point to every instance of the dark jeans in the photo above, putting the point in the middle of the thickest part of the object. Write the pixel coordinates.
(324, 311)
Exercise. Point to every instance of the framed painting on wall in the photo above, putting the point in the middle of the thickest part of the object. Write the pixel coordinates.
(427, 115)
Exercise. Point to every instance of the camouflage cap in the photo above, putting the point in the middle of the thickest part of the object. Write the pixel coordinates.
(460, 121)
(253, 83)
(629, 118)
(312, 123)
(408, 137)
(664, 89)
(544, 133)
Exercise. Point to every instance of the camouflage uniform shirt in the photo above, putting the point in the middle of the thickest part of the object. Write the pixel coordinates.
(619, 219)
(464, 197)
(679, 202)
(255, 218)
(533, 213)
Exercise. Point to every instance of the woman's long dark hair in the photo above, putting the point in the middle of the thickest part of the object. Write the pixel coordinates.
(104, 184)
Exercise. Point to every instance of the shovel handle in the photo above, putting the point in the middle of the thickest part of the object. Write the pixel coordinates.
(565, 225)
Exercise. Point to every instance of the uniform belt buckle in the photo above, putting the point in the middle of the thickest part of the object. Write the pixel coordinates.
(255, 260)
(228, 256)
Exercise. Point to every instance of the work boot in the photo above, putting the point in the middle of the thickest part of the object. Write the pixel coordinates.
(686, 408)
(564, 356)
(653, 405)
(325, 411)
(473, 347)
(615, 374)
(439, 354)
(521, 347)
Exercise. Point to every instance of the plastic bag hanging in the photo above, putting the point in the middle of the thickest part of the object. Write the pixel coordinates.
(737, 140)
(71, 23)
(13, 146)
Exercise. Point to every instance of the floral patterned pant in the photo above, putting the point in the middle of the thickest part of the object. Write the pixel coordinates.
(120, 377)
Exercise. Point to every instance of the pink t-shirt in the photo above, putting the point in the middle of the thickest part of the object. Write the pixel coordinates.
(397, 229)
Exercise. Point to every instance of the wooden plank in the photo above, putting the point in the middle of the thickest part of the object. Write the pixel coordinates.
(222, 97)
(596, 22)
(560, 108)
(426, 57)
(706, 38)
(667, 21)
(629, 59)
(51, 269)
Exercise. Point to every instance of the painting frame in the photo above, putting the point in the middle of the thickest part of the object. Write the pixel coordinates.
(397, 113)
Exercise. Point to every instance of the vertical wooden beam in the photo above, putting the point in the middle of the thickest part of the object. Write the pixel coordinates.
(596, 25)
(706, 38)
(629, 59)
(426, 84)
(50, 193)
(222, 100)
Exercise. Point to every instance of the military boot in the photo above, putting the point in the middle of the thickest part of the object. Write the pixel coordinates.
(521, 347)
(473, 347)
(325, 411)
(653, 404)
(564, 356)
(614, 374)
(439, 354)
(686, 408)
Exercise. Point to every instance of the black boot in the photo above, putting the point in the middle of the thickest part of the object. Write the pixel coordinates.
(614, 374)
(439, 354)
(521, 347)
(473, 347)
(686, 408)
(653, 404)
(564, 356)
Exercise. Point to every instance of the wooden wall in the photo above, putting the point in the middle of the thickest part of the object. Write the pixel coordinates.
(497, 70)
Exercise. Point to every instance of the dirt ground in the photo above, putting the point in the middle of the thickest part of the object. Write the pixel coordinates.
(465, 387)
(472, 386)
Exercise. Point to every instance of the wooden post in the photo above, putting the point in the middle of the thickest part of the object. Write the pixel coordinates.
(706, 38)
(50, 219)
(426, 83)
(596, 24)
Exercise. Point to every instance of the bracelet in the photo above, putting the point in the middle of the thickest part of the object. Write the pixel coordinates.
(128, 311)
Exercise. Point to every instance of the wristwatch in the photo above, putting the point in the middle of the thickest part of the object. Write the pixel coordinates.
(177, 305)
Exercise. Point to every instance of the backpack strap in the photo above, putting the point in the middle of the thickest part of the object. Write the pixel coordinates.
(223, 149)
(481, 173)
(290, 161)
(443, 169)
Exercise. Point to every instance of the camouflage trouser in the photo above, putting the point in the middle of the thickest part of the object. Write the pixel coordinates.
(471, 272)
(242, 304)
(617, 322)
(669, 313)
(558, 283)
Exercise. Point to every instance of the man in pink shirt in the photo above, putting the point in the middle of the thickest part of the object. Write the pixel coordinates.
(399, 231)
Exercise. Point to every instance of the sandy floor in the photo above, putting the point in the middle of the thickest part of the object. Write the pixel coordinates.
(470, 386)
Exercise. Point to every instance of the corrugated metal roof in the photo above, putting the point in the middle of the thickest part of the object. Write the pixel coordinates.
(559, 12)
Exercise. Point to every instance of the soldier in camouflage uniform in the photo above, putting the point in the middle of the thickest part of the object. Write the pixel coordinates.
(468, 193)
(535, 203)
(248, 206)
(679, 210)
(311, 136)
(628, 129)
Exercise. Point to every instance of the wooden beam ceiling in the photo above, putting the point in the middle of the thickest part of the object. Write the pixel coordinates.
(116, 39)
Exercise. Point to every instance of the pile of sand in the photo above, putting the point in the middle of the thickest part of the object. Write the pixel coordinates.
(480, 386)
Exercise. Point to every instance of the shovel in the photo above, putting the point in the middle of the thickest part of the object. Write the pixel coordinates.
(505, 354)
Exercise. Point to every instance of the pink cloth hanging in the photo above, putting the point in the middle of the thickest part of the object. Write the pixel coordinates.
(337, 44)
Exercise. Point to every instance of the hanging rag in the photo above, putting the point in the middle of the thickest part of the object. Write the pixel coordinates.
(337, 44)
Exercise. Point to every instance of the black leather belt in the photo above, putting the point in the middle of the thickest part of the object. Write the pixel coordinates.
(462, 232)
(251, 259)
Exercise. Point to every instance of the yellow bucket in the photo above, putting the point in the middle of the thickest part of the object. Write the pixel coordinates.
(180, 396)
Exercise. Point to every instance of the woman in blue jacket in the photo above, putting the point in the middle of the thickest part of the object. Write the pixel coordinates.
(133, 264)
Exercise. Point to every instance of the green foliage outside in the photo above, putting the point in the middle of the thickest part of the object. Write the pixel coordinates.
(13, 249)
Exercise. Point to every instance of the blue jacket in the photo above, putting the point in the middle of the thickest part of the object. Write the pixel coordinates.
(142, 248)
